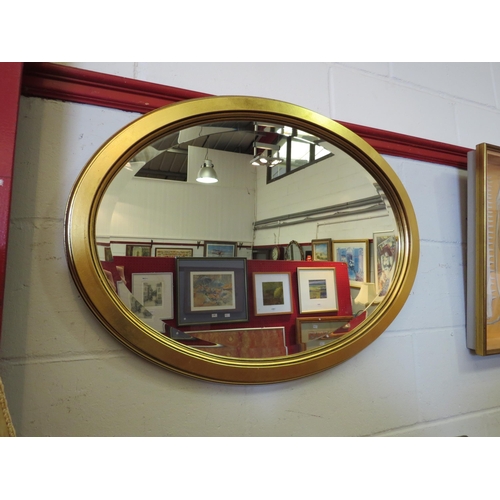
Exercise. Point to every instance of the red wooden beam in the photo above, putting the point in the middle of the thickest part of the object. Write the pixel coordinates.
(54, 81)
(10, 83)
(407, 146)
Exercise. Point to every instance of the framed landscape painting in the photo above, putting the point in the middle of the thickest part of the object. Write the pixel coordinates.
(272, 293)
(308, 329)
(220, 249)
(317, 289)
(211, 290)
(321, 249)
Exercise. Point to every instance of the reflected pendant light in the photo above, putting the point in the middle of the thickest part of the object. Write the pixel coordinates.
(207, 174)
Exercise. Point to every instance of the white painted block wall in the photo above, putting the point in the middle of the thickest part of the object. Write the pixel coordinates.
(66, 376)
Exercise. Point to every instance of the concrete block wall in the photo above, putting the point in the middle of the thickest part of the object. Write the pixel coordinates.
(64, 375)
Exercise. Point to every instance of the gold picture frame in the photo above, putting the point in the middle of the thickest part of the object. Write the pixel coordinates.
(99, 174)
(173, 252)
(328, 327)
(321, 249)
(483, 281)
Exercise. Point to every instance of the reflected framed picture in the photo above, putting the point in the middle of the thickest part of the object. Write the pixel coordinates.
(138, 309)
(173, 252)
(308, 329)
(211, 290)
(356, 254)
(108, 254)
(317, 289)
(321, 249)
(155, 291)
(138, 251)
(272, 293)
(220, 249)
(385, 255)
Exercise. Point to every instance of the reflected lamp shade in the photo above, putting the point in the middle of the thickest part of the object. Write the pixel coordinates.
(365, 298)
(207, 173)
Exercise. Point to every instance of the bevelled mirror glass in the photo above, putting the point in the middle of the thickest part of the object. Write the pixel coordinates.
(241, 240)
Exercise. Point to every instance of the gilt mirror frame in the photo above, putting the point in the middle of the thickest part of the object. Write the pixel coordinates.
(92, 283)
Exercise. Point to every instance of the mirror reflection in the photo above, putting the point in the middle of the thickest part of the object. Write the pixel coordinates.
(247, 239)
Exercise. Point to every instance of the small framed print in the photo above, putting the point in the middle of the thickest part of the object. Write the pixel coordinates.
(321, 250)
(138, 251)
(155, 291)
(317, 289)
(211, 290)
(385, 255)
(355, 253)
(272, 293)
(308, 329)
(220, 249)
(173, 252)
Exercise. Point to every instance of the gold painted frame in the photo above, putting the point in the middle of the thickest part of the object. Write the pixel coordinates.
(483, 278)
(91, 281)
(308, 329)
(321, 249)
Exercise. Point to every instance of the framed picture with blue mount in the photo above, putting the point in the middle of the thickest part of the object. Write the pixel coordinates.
(356, 254)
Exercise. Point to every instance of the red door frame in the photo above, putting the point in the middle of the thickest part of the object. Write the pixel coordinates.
(10, 85)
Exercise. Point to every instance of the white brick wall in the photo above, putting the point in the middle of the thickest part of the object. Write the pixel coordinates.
(65, 375)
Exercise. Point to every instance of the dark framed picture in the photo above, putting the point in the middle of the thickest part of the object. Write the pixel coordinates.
(211, 290)
(138, 251)
(272, 293)
(317, 289)
(173, 252)
(321, 249)
(220, 249)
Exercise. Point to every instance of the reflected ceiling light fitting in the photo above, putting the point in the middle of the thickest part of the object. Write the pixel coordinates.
(207, 174)
(265, 158)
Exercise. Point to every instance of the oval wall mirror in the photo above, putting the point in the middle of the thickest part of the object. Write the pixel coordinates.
(216, 279)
